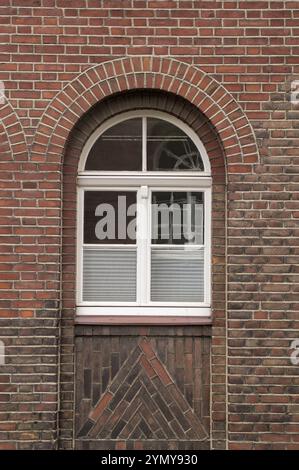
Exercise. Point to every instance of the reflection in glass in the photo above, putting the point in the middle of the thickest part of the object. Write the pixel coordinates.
(110, 217)
(118, 149)
(169, 148)
(177, 217)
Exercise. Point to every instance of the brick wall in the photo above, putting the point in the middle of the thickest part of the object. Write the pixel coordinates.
(241, 58)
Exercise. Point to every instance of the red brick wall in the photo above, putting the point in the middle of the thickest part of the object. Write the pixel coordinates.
(246, 54)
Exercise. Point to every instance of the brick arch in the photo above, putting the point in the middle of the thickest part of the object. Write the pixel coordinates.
(13, 144)
(71, 330)
(14, 158)
(109, 78)
(95, 117)
(4, 144)
(139, 100)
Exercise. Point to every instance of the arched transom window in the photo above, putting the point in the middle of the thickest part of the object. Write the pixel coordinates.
(144, 198)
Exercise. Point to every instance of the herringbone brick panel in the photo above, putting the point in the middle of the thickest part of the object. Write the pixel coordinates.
(141, 402)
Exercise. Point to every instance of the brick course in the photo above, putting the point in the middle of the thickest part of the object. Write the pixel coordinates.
(234, 61)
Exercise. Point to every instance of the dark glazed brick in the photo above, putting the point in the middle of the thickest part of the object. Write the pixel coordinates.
(133, 374)
(114, 363)
(162, 406)
(87, 383)
(115, 432)
(105, 377)
(96, 393)
(85, 429)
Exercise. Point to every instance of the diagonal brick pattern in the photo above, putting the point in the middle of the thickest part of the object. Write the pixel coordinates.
(142, 402)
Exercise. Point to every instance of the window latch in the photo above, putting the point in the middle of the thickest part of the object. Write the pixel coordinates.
(144, 192)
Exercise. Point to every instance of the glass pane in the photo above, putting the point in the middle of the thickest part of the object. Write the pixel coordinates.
(109, 275)
(177, 218)
(118, 149)
(169, 148)
(177, 275)
(110, 217)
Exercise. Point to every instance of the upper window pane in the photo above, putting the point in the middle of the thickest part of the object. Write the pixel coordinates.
(169, 148)
(110, 217)
(177, 218)
(118, 149)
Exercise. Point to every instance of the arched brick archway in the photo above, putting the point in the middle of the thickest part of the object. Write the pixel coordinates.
(198, 335)
(13, 162)
(13, 144)
(169, 75)
(234, 132)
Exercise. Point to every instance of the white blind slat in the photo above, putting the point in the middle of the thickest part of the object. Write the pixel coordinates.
(109, 275)
(177, 275)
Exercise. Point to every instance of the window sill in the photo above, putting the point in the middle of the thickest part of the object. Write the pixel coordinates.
(143, 315)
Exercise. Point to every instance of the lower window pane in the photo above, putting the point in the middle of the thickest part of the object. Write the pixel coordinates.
(109, 275)
(177, 275)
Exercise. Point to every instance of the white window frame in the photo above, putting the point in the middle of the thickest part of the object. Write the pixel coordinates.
(144, 182)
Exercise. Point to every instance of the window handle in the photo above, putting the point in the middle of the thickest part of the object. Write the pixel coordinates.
(144, 192)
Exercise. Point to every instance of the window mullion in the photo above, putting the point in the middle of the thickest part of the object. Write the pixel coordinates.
(148, 240)
(207, 244)
(142, 244)
(144, 143)
(138, 246)
(80, 245)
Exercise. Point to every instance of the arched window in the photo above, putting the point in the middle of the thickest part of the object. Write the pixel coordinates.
(144, 203)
